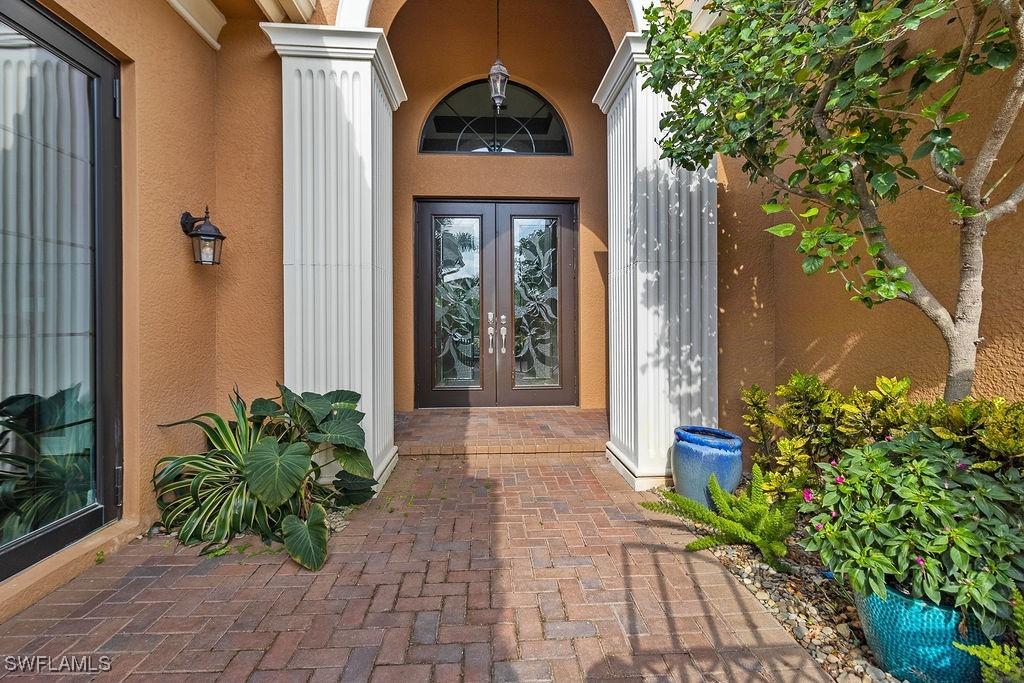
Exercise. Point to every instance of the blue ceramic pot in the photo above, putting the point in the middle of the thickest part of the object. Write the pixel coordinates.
(700, 452)
(913, 638)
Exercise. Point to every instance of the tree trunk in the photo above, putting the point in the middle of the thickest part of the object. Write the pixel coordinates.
(963, 339)
(963, 353)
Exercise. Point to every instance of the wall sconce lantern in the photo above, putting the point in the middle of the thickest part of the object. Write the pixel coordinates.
(206, 238)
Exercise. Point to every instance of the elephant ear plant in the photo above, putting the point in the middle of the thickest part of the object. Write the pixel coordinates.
(262, 473)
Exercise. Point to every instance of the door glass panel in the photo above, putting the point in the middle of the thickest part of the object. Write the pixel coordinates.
(47, 333)
(457, 247)
(535, 296)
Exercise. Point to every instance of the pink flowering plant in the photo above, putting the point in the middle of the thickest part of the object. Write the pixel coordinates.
(917, 515)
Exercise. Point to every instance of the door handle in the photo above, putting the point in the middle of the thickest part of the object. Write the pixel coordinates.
(490, 339)
(504, 330)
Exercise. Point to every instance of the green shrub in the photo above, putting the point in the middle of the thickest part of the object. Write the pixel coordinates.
(805, 421)
(991, 430)
(262, 473)
(1002, 662)
(919, 513)
(750, 518)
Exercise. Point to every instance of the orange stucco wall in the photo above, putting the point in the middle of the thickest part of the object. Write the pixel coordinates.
(250, 294)
(559, 49)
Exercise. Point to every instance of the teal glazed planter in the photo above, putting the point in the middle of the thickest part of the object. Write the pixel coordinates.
(700, 452)
(913, 638)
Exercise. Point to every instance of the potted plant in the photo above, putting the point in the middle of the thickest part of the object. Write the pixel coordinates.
(700, 452)
(932, 544)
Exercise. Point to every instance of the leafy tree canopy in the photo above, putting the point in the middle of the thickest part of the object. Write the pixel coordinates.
(831, 102)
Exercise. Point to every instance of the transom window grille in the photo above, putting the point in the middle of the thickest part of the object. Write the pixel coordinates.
(466, 122)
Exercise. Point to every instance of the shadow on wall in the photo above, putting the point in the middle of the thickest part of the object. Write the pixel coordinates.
(746, 291)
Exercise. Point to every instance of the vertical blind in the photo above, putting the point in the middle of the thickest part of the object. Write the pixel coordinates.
(46, 243)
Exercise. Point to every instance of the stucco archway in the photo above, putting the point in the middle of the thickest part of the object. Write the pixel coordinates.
(340, 89)
(618, 15)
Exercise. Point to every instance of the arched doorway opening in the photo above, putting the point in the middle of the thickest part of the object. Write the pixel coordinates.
(560, 50)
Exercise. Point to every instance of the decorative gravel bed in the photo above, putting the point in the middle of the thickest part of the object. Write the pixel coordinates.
(816, 609)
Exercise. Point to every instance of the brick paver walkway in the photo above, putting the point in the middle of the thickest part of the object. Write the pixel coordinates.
(507, 568)
(501, 430)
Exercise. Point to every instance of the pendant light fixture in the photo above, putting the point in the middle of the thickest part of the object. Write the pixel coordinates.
(498, 75)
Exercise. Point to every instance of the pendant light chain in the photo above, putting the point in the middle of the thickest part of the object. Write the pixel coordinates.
(498, 75)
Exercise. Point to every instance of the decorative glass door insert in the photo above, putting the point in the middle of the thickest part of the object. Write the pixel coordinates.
(457, 301)
(495, 304)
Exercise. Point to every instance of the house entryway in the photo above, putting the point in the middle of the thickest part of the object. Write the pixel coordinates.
(495, 304)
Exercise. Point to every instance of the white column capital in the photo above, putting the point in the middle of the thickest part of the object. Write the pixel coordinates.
(347, 44)
(631, 53)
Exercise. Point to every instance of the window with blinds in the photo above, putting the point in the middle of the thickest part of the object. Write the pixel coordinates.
(59, 308)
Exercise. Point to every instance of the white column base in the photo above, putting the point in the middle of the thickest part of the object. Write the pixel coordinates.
(637, 481)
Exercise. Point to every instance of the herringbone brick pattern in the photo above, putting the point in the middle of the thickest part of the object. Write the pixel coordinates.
(505, 568)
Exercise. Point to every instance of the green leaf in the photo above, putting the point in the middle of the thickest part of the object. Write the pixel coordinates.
(924, 150)
(340, 431)
(353, 489)
(867, 59)
(948, 156)
(782, 229)
(275, 471)
(355, 461)
(264, 407)
(939, 71)
(932, 110)
(812, 264)
(318, 406)
(306, 541)
(1002, 55)
(342, 398)
(883, 182)
(811, 212)
(773, 208)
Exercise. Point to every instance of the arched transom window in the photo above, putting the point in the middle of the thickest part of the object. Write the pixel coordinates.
(466, 122)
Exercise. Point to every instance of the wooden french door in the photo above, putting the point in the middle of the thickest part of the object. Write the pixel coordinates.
(495, 304)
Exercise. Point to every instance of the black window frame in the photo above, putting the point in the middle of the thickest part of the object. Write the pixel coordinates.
(50, 32)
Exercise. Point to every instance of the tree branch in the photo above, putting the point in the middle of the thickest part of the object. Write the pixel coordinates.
(874, 232)
(1004, 120)
(1008, 205)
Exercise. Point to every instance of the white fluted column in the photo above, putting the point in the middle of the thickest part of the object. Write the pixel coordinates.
(662, 281)
(340, 88)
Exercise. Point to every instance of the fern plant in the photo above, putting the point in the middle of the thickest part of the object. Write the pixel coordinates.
(749, 518)
(1002, 662)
